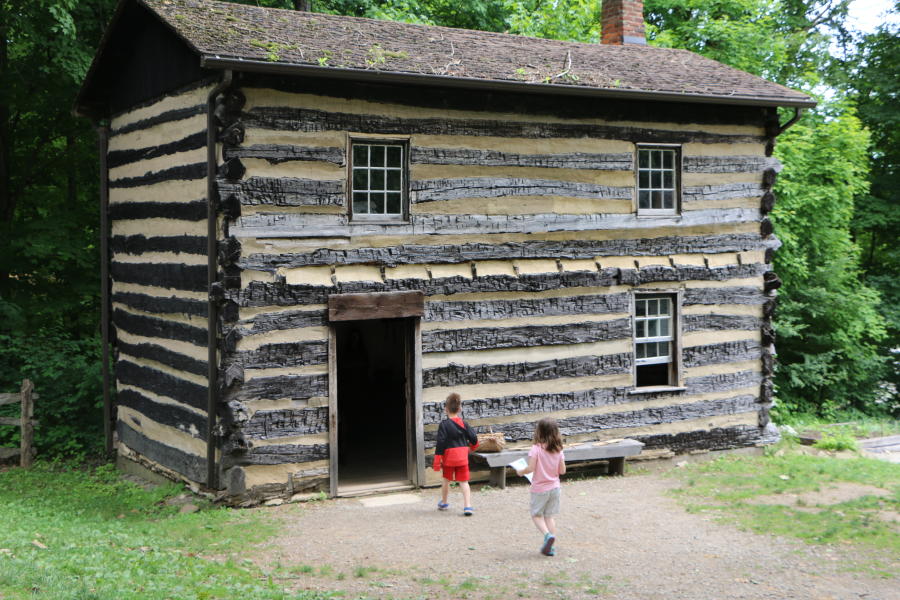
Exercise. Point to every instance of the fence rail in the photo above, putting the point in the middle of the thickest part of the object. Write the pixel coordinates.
(26, 422)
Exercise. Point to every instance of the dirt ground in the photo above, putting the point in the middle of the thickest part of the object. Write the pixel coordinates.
(618, 538)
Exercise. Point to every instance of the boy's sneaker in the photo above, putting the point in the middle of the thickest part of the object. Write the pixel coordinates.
(443, 505)
(467, 511)
(547, 546)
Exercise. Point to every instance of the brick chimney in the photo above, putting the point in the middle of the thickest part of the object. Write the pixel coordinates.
(622, 22)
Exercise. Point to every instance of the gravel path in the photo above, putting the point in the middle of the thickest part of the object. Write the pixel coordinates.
(618, 538)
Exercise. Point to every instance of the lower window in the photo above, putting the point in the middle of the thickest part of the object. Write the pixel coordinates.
(654, 340)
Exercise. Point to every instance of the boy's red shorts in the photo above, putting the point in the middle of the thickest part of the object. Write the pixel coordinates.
(460, 473)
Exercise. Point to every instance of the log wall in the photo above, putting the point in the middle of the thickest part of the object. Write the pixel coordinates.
(157, 211)
(524, 239)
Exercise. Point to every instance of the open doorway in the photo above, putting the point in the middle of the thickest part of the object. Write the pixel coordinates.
(373, 406)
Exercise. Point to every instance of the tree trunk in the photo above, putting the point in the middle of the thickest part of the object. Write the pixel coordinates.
(304, 5)
(6, 199)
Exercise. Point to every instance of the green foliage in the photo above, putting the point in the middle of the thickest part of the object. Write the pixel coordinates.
(837, 440)
(828, 320)
(107, 539)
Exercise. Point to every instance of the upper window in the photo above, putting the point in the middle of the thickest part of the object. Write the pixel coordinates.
(654, 340)
(657, 180)
(378, 180)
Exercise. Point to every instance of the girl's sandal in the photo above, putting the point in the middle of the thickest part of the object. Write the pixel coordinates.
(443, 505)
(467, 511)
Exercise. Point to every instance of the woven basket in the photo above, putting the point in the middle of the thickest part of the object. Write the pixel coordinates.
(491, 442)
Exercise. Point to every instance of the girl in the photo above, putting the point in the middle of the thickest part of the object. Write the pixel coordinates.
(547, 461)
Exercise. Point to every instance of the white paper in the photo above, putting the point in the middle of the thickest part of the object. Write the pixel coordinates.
(521, 463)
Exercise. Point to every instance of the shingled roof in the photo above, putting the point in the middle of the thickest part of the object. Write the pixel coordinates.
(251, 38)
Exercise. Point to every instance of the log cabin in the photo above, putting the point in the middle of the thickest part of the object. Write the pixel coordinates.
(315, 227)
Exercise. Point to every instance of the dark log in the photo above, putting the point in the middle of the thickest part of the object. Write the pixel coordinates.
(267, 424)
(723, 295)
(159, 328)
(185, 211)
(284, 191)
(117, 158)
(725, 164)
(654, 273)
(229, 251)
(231, 375)
(722, 382)
(296, 387)
(727, 191)
(288, 354)
(444, 254)
(189, 465)
(766, 390)
(483, 338)
(769, 255)
(768, 362)
(644, 417)
(170, 415)
(769, 176)
(766, 228)
(767, 203)
(436, 190)
(767, 333)
(719, 322)
(299, 119)
(495, 158)
(579, 366)
(379, 305)
(231, 136)
(230, 207)
(232, 169)
(277, 455)
(164, 117)
(771, 281)
(167, 357)
(229, 339)
(275, 321)
(138, 244)
(538, 104)
(769, 307)
(179, 173)
(229, 312)
(764, 417)
(160, 305)
(233, 100)
(723, 352)
(190, 278)
(527, 307)
(162, 384)
(281, 153)
(718, 438)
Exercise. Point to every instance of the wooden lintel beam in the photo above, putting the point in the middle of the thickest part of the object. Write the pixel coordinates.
(376, 305)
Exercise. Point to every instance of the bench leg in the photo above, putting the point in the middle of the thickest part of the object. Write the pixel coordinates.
(617, 466)
(497, 477)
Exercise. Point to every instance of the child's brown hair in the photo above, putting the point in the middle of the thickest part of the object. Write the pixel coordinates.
(546, 432)
(453, 403)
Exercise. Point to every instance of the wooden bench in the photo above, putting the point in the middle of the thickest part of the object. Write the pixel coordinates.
(613, 451)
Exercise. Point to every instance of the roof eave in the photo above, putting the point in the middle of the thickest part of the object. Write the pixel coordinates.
(276, 68)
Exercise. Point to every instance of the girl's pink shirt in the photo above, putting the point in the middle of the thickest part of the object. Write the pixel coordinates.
(546, 468)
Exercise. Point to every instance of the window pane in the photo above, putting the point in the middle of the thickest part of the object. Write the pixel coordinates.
(393, 204)
(668, 179)
(360, 155)
(640, 329)
(376, 179)
(657, 159)
(377, 156)
(664, 304)
(377, 201)
(664, 327)
(360, 203)
(640, 307)
(644, 159)
(657, 179)
(669, 159)
(644, 200)
(393, 180)
(652, 307)
(668, 199)
(394, 155)
(641, 350)
(652, 328)
(663, 348)
(657, 199)
(360, 179)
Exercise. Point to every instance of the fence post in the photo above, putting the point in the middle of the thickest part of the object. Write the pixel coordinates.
(27, 427)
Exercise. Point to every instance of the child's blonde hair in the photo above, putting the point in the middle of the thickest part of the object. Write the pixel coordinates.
(453, 403)
(546, 432)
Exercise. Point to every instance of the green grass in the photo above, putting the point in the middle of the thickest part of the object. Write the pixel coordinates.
(109, 539)
(728, 486)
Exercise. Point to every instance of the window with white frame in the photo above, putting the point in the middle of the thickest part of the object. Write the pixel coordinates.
(658, 180)
(378, 180)
(654, 340)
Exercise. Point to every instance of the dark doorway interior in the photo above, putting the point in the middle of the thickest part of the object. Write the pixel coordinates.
(372, 403)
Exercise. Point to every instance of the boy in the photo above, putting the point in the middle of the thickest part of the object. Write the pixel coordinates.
(454, 440)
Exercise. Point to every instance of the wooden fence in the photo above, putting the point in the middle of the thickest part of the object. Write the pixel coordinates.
(26, 421)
